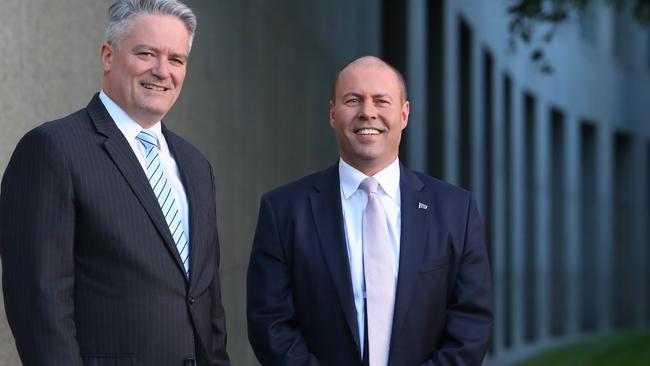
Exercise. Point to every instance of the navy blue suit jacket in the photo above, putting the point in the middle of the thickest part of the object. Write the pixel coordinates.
(91, 275)
(300, 300)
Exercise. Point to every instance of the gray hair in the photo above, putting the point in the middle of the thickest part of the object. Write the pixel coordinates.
(122, 13)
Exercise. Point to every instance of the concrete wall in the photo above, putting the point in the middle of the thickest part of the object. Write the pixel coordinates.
(255, 100)
(50, 69)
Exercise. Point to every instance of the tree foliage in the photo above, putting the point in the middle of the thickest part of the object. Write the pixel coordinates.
(528, 16)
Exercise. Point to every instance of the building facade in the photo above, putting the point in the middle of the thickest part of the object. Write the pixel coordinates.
(559, 162)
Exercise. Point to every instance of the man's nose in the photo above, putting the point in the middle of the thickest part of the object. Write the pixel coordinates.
(161, 68)
(368, 111)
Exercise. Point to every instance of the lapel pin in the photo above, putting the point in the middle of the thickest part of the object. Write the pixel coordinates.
(422, 206)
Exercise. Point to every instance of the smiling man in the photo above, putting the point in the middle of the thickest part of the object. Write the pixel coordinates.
(368, 262)
(108, 233)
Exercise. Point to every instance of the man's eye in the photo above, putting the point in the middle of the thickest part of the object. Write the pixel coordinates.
(177, 61)
(352, 101)
(145, 54)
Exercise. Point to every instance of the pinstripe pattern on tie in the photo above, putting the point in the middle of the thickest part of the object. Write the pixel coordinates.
(163, 191)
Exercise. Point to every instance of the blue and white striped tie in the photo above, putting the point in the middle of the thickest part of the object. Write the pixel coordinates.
(163, 192)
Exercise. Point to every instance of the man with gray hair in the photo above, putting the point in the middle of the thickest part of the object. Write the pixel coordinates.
(108, 234)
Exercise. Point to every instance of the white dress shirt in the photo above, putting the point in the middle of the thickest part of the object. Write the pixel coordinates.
(130, 129)
(353, 201)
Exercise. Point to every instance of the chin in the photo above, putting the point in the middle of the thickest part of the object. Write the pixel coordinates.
(367, 155)
(155, 109)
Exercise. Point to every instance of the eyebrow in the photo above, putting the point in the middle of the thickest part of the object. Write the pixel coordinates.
(141, 47)
(374, 96)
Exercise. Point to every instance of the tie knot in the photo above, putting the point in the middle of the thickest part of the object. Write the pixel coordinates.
(369, 185)
(147, 138)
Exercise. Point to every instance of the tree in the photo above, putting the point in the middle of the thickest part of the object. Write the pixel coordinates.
(528, 16)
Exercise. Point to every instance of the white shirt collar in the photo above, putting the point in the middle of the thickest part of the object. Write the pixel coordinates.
(350, 178)
(129, 127)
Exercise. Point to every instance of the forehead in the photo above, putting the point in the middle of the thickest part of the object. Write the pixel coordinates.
(368, 79)
(162, 31)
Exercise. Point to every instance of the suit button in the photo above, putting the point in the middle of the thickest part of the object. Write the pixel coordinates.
(189, 362)
(191, 300)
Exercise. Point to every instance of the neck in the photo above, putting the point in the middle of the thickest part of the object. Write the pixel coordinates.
(368, 169)
(144, 125)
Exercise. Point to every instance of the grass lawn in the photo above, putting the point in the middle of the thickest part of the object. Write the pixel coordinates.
(619, 349)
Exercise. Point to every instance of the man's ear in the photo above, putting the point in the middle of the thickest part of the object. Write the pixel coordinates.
(332, 114)
(406, 108)
(106, 53)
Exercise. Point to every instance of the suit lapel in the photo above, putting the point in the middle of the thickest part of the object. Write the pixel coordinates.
(414, 234)
(328, 220)
(122, 155)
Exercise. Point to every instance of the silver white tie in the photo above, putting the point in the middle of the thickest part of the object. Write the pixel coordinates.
(164, 195)
(378, 269)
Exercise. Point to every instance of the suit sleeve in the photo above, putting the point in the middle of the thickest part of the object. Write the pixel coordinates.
(469, 311)
(272, 328)
(218, 320)
(37, 221)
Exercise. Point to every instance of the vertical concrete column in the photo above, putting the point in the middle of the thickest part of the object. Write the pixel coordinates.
(542, 197)
(606, 29)
(417, 61)
(605, 219)
(518, 215)
(640, 247)
(572, 233)
(450, 96)
(498, 213)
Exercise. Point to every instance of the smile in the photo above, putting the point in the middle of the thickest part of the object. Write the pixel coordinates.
(154, 87)
(368, 131)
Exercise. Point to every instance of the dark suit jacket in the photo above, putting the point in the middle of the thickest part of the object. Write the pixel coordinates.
(300, 301)
(91, 274)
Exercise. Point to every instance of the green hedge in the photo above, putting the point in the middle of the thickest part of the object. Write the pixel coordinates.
(619, 349)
